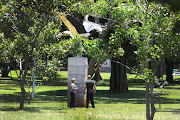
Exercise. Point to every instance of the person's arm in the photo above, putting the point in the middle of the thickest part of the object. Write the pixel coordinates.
(94, 89)
(85, 89)
(73, 88)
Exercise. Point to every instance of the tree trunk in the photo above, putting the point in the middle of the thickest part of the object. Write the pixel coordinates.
(150, 95)
(118, 79)
(5, 70)
(147, 102)
(5, 73)
(22, 88)
(94, 69)
(159, 72)
(97, 75)
(113, 78)
(91, 68)
(153, 110)
(29, 99)
(150, 114)
(169, 70)
(22, 95)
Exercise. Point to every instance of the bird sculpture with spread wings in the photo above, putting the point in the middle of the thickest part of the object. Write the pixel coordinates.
(83, 29)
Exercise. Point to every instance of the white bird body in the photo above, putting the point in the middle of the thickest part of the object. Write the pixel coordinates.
(89, 26)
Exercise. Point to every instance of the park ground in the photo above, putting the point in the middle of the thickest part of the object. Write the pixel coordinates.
(50, 102)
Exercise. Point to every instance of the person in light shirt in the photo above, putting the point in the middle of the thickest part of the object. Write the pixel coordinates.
(73, 92)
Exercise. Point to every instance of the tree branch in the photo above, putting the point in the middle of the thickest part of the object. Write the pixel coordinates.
(15, 28)
(139, 4)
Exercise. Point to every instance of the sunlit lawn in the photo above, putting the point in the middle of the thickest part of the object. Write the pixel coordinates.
(50, 102)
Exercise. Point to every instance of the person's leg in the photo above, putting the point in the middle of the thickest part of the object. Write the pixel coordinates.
(72, 100)
(87, 100)
(92, 99)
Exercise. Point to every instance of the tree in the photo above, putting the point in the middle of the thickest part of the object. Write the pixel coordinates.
(103, 9)
(33, 32)
(147, 26)
(157, 35)
(172, 49)
(93, 6)
(174, 7)
(123, 36)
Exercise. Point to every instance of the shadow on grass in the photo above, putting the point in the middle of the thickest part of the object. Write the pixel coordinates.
(131, 82)
(172, 88)
(5, 87)
(47, 96)
(133, 96)
(16, 82)
(56, 82)
(31, 109)
(136, 81)
(4, 98)
(165, 100)
(176, 111)
(54, 95)
(102, 96)
(8, 108)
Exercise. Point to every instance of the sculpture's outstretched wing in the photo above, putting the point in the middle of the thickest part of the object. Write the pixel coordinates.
(71, 28)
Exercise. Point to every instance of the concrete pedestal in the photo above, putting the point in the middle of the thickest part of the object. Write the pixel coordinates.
(78, 69)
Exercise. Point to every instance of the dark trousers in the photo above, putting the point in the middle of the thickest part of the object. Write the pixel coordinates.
(72, 100)
(89, 97)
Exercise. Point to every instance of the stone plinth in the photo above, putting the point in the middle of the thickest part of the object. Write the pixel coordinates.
(78, 69)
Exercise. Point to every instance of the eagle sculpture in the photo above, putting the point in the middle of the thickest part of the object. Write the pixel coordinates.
(84, 28)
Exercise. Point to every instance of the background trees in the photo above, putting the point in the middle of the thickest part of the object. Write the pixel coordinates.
(148, 27)
(30, 30)
(29, 37)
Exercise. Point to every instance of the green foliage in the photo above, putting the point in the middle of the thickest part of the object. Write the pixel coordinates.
(152, 34)
(32, 31)
(95, 48)
(47, 70)
(76, 46)
(116, 41)
(148, 75)
(100, 8)
(125, 12)
(83, 8)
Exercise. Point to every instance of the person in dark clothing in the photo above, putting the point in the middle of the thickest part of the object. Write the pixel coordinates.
(89, 85)
(73, 92)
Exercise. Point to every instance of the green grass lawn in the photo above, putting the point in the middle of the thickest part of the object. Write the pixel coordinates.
(50, 102)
